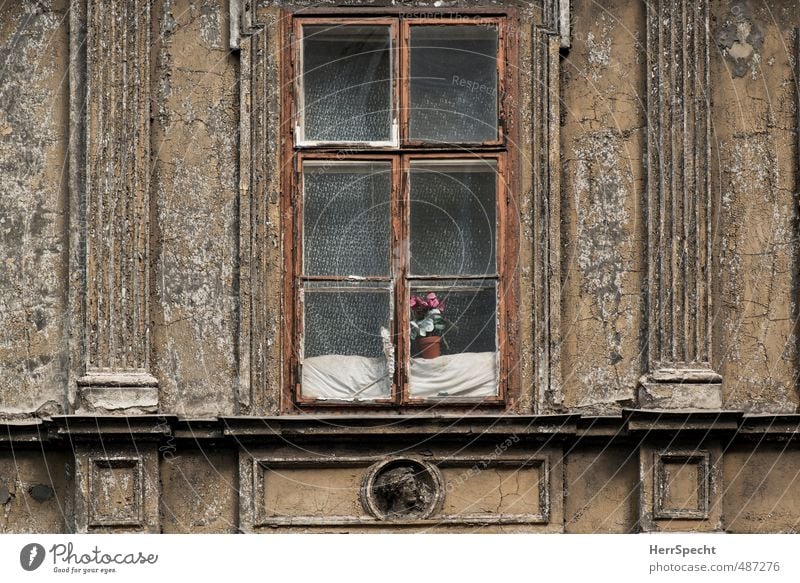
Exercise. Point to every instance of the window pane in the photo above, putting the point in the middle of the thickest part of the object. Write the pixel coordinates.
(347, 218)
(347, 84)
(453, 216)
(453, 83)
(467, 328)
(347, 351)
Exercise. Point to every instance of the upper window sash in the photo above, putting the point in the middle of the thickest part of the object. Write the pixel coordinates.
(440, 91)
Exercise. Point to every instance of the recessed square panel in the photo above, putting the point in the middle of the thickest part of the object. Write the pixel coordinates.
(453, 217)
(453, 85)
(115, 492)
(347, 83)
(682, 485)
(346, 218)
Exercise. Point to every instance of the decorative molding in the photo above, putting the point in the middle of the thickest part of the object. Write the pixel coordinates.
(681, 485)
(557, 20)
(665, 506)
(241, 21)
(425, 478)
(546, 197)
(538, 462)
(111, 203)
(734, 426)
(260, 237)
(298, 428)
(680, 373)
(116, 491)
(255, 517)
(115, 487)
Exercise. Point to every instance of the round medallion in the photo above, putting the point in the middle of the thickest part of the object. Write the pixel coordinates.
(402, 489)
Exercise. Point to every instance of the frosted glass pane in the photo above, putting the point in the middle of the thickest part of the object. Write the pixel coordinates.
(467, 364)
(346, 218)
(344, 319)
(347, 350)
(470, 312)
(347, 84)
(453, 84)
(453, 217)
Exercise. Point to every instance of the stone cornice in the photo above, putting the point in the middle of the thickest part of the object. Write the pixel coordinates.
(636, 425)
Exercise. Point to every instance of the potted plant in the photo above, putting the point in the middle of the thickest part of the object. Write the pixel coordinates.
(427, 325)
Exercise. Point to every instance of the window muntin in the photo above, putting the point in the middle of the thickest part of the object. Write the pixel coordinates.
(463, 191)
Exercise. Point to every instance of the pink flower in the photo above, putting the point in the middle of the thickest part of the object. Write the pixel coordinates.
(419, 306)
(434, 302)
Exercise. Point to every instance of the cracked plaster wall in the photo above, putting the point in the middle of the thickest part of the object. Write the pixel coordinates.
(195, 139)
(33, 188)
(603, 182)
(194, 227)
(755, 187)
(194, 177)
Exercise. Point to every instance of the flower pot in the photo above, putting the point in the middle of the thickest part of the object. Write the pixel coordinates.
(427, 347)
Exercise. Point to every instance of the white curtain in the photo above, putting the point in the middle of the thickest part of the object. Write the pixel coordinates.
(355, 378)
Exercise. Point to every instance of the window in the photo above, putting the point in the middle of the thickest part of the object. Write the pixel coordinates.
(401, 246)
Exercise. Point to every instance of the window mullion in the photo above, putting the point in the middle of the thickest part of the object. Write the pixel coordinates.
(400, 257)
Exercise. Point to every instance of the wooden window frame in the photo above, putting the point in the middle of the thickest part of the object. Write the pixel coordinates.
(401, 154)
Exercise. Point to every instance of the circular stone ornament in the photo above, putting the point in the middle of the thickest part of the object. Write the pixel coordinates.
(402, 489)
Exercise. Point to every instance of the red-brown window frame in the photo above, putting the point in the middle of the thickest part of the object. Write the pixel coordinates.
(506, 243)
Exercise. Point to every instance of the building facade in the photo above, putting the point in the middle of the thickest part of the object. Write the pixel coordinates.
(227, 226)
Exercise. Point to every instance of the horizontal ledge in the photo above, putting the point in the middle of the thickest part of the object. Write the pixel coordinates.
(654, 420)
(118, 400)
(134, 426)
(118, 379)
(369, 521)
(680, 375)
(232, 430)
(314, 425)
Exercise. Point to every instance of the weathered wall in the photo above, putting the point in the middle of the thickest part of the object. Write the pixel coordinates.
(194, 180)
(33, 493)
(755, 186)
(34, 129)
(195, 160)
(760, 485)
(606, 482)
(200, 491)
(603, 136)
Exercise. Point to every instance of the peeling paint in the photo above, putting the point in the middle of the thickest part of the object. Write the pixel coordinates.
(741, 38)
(32, 150)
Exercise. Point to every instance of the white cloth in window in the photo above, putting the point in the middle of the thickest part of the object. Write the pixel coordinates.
(337, 376)
(352, 378)
(467, 375)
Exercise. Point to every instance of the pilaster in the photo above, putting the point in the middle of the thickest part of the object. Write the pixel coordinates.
(680, 373)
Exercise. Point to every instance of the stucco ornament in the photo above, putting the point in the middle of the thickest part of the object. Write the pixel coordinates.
(400, 489)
